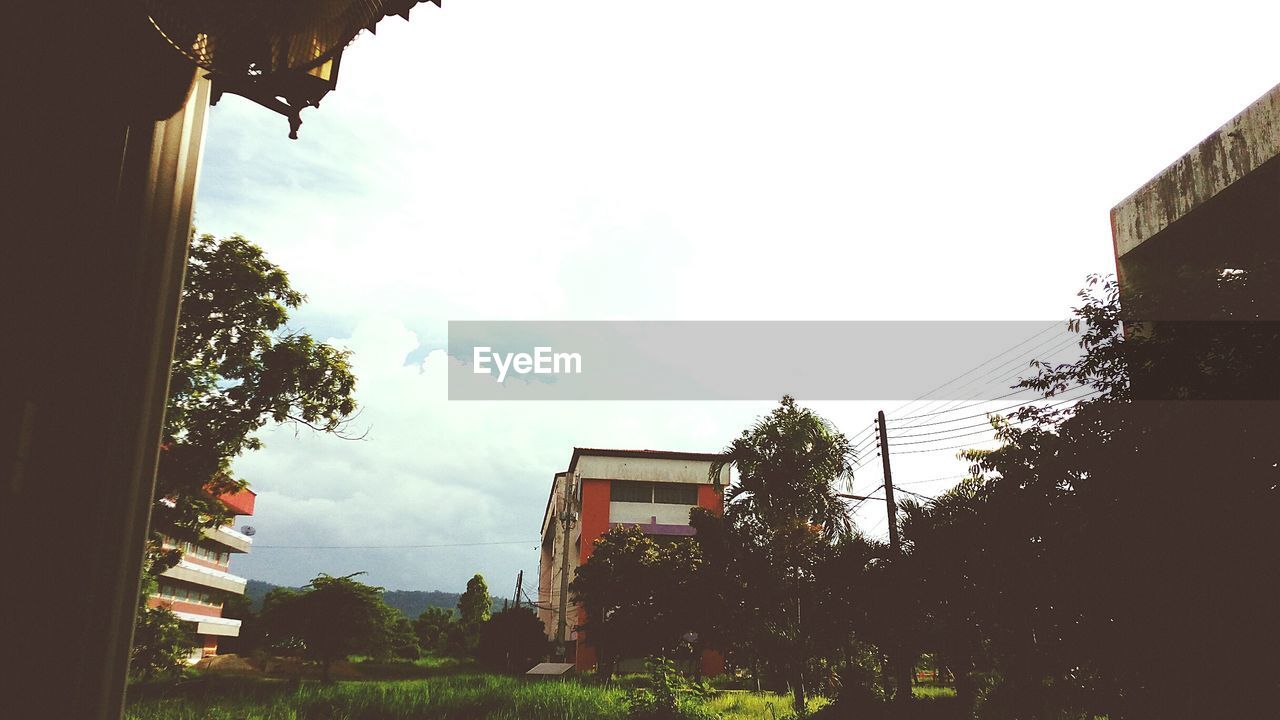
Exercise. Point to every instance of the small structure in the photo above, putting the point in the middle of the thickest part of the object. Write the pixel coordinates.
(550, 669)
(601, 489)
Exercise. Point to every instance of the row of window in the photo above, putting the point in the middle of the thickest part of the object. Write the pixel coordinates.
(204, 553)
(192, 595)
(642, 492)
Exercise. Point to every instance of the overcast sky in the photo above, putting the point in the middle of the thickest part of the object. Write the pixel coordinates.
(710, 160)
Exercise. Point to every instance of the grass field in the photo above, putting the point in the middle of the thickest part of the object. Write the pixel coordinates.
(454, 697)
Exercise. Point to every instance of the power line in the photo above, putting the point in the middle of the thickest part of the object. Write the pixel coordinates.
(391, 547)
(857, 439)
(1029, 403)
(986, 425)
(973, 369)
(922, 497)
(954, 447)
(860, 465)
(1018, 369)
(989, 429)
(862, 499)
(1019, 391)
(937, 479)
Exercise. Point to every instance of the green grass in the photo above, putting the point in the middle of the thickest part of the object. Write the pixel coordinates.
(405, 669)
(932, 691)
(457, 697)
(741, 705)
(444, 697)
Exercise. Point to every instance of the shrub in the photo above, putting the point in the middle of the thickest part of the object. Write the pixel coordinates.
(661, 699)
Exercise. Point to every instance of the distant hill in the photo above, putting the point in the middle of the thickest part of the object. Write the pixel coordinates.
(409, 602)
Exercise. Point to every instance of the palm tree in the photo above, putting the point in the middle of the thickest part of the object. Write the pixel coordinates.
(785, 515)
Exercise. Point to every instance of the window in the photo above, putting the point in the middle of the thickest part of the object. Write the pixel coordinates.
(675, 493)
(636, 492)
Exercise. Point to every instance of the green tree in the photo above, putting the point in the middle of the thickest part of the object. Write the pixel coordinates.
(331, 618)
(782, 517)
(432, 629)
(236, 368)
(475, 604)
(398, 641)
(160, 647)
(636, 592)
(512, 640)
(1059, 574)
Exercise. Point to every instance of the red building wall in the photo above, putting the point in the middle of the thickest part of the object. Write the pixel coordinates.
(710, 498)
(595, 514)
(594, 522)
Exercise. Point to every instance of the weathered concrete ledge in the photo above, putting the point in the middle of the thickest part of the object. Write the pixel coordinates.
(1229, 154)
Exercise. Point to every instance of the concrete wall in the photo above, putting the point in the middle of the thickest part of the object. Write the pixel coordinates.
(644, 469)
(1188, 186)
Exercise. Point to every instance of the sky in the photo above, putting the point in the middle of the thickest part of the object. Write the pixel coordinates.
(605, 160)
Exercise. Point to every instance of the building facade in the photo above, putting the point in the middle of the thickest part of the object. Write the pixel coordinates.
(194, 589)
(602, 488)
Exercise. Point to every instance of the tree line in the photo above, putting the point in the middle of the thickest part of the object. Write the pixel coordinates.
(1111, 558)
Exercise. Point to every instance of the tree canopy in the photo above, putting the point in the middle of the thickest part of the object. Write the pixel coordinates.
(334, 617)
(639, 595)
(237, 367)
(782, 519)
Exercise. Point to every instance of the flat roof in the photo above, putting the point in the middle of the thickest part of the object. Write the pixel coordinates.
(657, 454)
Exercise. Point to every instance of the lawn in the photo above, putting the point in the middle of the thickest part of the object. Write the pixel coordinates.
(455, 697)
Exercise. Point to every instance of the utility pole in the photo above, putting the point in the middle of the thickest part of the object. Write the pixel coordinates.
(888, 486)
(904, 668)
(519, 583)
(567, 518)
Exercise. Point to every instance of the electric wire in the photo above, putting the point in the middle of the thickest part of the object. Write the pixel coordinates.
(973, 369)
(1018, 366)
(391, 547)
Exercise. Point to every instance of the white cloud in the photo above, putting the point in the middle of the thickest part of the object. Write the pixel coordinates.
(712, 160)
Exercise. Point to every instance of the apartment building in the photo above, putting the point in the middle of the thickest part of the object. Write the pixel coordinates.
(601, 489)
(194, 588)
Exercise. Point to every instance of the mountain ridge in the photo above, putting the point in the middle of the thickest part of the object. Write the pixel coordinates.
(410, 602)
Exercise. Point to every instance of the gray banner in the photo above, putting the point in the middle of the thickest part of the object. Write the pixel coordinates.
(669, 360)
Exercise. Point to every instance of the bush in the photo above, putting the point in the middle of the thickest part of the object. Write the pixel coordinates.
(160, 647)
(661, 699)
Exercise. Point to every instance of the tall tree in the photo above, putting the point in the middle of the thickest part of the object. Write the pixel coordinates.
(474, 608)
(236, 368)
(1106, 568)
(782, 517)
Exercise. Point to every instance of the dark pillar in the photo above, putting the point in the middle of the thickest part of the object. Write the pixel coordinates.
(98, 197)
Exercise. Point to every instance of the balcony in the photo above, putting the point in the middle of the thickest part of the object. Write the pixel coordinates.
(209, 625)
(207, 577)
(229, 538)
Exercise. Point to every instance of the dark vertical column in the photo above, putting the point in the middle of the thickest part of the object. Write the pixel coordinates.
(96, 220)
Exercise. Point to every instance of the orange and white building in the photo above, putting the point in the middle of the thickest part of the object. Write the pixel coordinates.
(194, 588)
(650, 489)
